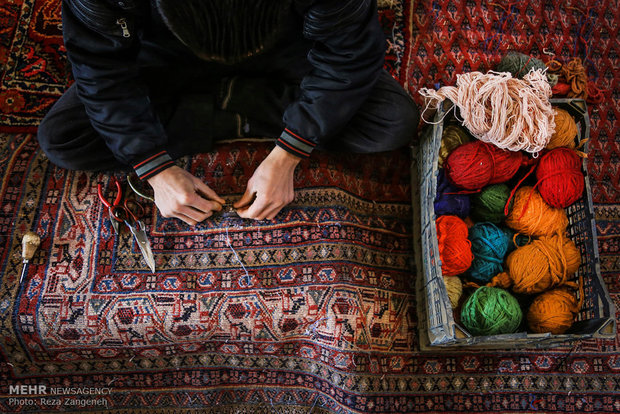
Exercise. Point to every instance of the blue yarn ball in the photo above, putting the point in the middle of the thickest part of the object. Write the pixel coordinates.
(447, 203)
(489, 245)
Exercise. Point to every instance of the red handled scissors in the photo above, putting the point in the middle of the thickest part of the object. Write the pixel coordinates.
(129, 212)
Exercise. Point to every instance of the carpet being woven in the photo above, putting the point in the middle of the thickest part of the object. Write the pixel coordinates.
(312, 312)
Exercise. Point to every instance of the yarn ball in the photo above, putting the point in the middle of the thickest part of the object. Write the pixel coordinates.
(488, 204)
(543, 264)
(476, 164)
(454, 246)
(451, 138)
(530, 215)
(491, 311)
(489, 245)
(565, 130)
(448, 201)
(559, 176)
(454, 287)
(519, 64)
(553, 311)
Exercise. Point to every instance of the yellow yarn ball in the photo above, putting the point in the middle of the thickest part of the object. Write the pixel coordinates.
(452, 137)
(565, 130)
(454, 286)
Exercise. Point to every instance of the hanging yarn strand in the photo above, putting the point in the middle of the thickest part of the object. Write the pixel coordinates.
(510, 113)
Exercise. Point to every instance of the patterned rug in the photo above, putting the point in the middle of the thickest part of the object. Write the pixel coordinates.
(313, 312)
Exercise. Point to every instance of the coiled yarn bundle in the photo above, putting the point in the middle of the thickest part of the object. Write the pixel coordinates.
(553, 311)
(530, 215)
(476, 164)
(489, 245)
(559, 177)
(543, 264)
(454, 246)
(510, 113)
(491, 311)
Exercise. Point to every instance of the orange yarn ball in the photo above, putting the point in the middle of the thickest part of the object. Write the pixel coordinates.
(565, 130)
(543, 264)
(553, 311)
(454, 246)
(530, 215)
(560, 180)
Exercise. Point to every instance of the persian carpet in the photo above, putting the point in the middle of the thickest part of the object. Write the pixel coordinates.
(311, 312)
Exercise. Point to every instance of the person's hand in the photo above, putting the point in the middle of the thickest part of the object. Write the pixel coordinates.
(270, 188)
(179, 194)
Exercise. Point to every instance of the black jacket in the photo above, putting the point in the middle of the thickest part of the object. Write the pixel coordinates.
(103, 40)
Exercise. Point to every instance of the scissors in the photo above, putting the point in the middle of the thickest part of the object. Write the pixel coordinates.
(129, 212)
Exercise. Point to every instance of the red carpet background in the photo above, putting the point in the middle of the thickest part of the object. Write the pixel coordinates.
(321, 319)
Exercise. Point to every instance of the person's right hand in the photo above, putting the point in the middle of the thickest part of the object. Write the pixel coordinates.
(179, 194)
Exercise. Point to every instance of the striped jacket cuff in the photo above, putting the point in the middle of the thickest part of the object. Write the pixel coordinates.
(296, 145)
(153, 164)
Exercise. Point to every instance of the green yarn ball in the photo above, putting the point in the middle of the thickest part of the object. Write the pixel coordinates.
(491, 311)
(519, 64)
(488, 204)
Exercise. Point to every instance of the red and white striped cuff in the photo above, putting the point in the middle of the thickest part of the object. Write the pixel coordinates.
(296, 145)
(153, 164)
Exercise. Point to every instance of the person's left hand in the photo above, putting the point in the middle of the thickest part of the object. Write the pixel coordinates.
(270, 188)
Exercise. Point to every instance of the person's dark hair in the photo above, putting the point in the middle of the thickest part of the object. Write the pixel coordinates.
(226, 31)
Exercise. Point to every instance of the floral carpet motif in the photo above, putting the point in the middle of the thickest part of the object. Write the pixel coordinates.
(311, 312)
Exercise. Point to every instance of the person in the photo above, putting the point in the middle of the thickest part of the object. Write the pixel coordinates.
(159, 79)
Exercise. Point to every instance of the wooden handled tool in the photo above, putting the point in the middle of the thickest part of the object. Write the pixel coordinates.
(30, 244)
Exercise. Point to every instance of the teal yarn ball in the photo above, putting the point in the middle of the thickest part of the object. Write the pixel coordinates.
(491, 311)
(488, 204)
(489, 245)
(519, 64)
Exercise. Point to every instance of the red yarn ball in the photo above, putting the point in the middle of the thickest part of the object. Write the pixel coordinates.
(476, 164)
(560, 179)
(507, 163)
(454, 246)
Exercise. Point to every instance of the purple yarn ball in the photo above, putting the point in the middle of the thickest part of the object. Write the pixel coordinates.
(448, 203)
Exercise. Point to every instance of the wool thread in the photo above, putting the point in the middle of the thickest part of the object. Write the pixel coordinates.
(454, 287)
(560, 180)
(519, 64)
(543, 264)
(476, 164)
(530, 215)
(565, 130)
(572, 74)
(491, 311)
(452, 137)
(454, 246)
(513, 114)
(554, 311)
(448, 200)
(488, 204)
(489, 245)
